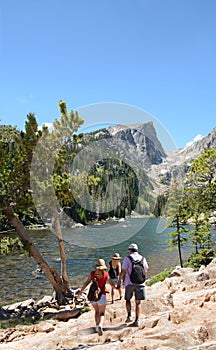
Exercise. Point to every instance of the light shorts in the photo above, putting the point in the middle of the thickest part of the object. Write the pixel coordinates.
(114, 280)
(137, 289)
(101, 301)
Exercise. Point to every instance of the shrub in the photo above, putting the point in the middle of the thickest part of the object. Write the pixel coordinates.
(160, 276)
(204, 257)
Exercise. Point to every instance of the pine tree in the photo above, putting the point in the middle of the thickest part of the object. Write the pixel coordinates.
(200, 187)
(177, 215)
(43, 153)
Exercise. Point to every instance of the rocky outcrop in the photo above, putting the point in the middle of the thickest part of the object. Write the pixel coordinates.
(142, 142)
(179, 313)
(46, 308)
(136, 143)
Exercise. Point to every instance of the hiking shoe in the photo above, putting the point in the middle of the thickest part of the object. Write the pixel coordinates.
(129, 319)
(96, 329)
(100, 330)
(136, 323)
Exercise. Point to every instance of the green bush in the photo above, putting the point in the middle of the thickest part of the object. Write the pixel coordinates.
(160, 276)
(9, 245)
(204, 257)
(85, 308)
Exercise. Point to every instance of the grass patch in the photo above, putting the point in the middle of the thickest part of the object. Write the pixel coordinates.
(85, 308)
(160, 276)
(11, 323)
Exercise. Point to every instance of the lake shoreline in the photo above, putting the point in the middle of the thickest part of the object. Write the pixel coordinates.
(104, 222)
(77, 224)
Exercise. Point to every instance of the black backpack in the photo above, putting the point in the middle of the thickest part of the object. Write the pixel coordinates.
(94, 292)
(137, 275)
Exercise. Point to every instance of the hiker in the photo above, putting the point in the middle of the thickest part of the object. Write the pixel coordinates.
(114, 270)
(131, 287)
(99, 306)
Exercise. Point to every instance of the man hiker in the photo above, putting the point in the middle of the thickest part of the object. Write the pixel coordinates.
(133, 272)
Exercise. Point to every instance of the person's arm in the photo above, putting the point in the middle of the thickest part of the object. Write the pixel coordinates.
(121, 276)
(85, 285)
(109, 281)
(119, 267)
(145, 265)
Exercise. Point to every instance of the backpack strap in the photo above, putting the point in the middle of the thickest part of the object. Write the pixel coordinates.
(135, 261)
(101, 288)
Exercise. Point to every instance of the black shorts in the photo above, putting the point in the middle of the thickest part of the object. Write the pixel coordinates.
(137, 289)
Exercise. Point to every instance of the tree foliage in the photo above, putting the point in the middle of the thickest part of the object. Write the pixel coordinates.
(176, 212)
(197, 202)
(112, 190)
(201, 183)
(17, 151)
(9, 245)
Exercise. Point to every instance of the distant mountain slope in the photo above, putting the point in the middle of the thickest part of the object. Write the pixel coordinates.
(194, 150)
(177, 163)
(138, 145)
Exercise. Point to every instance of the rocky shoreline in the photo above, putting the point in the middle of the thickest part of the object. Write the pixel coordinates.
(179, 313)
(46, 308)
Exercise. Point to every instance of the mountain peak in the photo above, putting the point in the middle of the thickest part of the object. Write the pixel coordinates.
(193, 151)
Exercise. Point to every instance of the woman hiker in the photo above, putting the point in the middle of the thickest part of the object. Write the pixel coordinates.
(99, 306)
(114, 268)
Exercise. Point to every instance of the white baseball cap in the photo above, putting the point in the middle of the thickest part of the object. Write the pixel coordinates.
(133, 246)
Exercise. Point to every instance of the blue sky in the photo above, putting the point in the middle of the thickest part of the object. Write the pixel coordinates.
(156, 55)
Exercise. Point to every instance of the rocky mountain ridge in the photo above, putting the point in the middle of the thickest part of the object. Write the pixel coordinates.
(138, 145)
(178, 162)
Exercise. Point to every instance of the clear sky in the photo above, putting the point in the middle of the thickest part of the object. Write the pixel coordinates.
(156, 55)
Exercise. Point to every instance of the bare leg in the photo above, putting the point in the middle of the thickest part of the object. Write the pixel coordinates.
(101, 315)
(138, 309)
(128, 306)
(97, 315)
(112, 294)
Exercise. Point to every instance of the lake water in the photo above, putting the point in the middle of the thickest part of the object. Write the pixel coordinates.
(18, 280)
